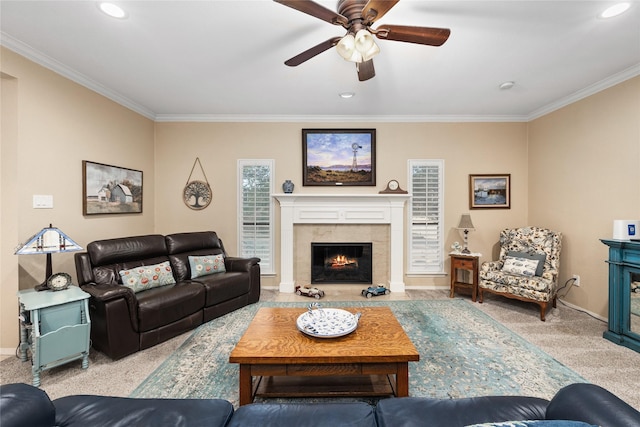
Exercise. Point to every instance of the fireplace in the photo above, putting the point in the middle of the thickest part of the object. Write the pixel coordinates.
(301, 209)
(341, 263)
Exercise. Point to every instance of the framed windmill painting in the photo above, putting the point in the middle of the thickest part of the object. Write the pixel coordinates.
(339, 157)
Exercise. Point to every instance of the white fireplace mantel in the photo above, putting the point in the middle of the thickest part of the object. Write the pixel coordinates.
(342, 209)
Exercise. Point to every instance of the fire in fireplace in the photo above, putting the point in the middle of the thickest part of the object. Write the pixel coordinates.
(341, 263)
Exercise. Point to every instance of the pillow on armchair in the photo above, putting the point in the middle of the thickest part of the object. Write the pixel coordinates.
(541, 257)
(520, 266)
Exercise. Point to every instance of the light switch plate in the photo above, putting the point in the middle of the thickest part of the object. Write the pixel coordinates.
(42, 201)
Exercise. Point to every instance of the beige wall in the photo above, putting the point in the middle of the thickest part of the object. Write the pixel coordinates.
(467, 148)
(54, 124)
(584, 172)
(567, 173)
(8, 215)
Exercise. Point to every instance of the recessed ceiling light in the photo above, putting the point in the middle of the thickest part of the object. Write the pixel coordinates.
(113, 10)
(347, 95)
(615, 10)
(507, 85)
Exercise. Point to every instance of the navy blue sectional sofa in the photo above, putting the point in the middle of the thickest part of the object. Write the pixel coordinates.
(586, 404)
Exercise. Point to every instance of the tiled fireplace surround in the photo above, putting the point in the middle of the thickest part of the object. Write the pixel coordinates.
(375, 218)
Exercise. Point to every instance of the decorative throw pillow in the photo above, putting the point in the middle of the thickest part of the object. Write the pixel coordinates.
(521, 266)
(148, 276)
(536, 423)
(206, 264)
(540, 257)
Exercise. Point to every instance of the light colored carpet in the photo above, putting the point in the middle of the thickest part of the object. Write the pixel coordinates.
(571, 337)
(464, 353)
(574, 339)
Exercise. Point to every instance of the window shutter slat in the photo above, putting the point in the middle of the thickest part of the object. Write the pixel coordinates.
(255, 234)
(425, 216)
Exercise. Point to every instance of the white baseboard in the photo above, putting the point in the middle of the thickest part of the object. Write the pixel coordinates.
(428, 287)
(590, 313)
(414, 287)
(7, 352)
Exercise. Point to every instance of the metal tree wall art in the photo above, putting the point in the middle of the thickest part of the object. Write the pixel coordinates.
(197, 194)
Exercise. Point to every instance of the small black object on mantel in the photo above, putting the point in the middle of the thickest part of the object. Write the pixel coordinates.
(393, 187)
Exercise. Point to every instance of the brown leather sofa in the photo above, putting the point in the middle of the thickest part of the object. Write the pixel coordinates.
(123, 322)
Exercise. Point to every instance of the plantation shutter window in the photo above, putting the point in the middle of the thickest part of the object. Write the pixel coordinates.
(425, 245)
(255, 211)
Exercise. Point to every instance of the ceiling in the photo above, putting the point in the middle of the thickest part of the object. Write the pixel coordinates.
(224, 60)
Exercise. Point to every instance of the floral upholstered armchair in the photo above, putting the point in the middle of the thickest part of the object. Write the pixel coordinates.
(527, 268)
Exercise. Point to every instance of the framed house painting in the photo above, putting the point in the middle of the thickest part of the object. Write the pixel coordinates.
(342, 157)
(110, 189)
(490, 191)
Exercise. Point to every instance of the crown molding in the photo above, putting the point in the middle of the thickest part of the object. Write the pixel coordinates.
(225, 118)
(610, 81)
(39, 58)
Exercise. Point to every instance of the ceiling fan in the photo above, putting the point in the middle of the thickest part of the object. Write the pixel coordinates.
(358, 45)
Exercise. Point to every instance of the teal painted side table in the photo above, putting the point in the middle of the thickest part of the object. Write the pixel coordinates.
(55, 327)
(624, 293)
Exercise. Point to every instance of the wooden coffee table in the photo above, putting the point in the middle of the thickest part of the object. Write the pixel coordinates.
(277, 360)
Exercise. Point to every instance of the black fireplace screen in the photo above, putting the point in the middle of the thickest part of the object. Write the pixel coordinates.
(341, 263)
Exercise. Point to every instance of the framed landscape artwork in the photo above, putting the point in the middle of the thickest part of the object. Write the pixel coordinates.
(490, 191)
(342, 157)
(110, 189)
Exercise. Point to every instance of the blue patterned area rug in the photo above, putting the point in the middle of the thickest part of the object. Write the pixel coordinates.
(463, 353)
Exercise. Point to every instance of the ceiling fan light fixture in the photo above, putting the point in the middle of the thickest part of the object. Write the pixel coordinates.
(359, 44)
(346, 47)
(364, 40)
(371, 52)
(358, 48)
(356, 57)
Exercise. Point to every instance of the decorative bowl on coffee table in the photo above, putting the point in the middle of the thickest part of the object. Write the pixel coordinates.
(327, 322)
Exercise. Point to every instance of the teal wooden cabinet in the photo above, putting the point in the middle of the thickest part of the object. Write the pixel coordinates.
(54, 327)
(624, 293)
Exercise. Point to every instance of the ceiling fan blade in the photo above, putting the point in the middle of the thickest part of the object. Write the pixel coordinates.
(419, 35)
(310, 53)
(376, 9)
(365, 70)
(316, 10)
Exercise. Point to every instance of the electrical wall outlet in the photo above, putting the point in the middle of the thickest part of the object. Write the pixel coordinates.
(576, 282)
